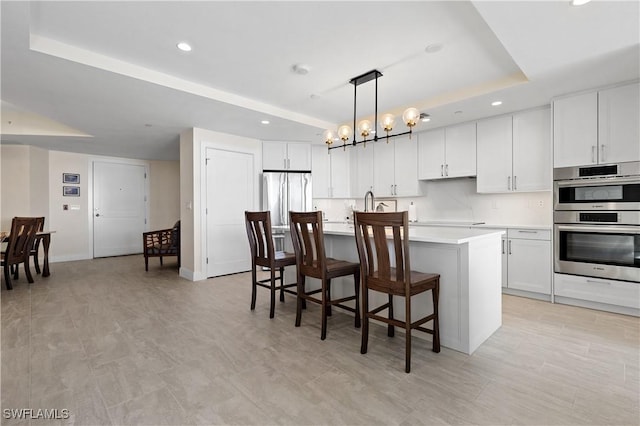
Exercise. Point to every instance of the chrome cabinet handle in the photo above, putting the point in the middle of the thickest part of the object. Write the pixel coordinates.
(509, 246)
(395, 189)
(527, 232)
(509, 183)
(446, 170)
(502, 246)
(599, 282)
(593, 153)
(602, 160)
(515, 182)
(441, 169)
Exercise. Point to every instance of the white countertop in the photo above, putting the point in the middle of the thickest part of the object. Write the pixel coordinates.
(425, 234)
(478, 224)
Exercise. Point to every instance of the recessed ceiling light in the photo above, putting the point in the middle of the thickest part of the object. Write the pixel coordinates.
(579, 2)
(457, 112)
(496, 103)
(265, 121)
(301, 69)
(434, 47)
(424, 117)
(185, 47)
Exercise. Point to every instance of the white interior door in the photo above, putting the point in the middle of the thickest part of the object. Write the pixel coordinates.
(119, 208)
(230, 191)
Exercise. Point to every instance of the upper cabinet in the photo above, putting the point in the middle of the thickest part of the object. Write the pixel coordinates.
(514, 152)
(618, 124)
(395, 167)
(294, 156)
(330, 173)
(447, 152)
(597, 127)
(361, 170)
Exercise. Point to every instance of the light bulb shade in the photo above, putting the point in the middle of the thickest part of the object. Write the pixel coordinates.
(387, 121)
(344, 133)
(364, 128)
(328, 136)
(410, 116)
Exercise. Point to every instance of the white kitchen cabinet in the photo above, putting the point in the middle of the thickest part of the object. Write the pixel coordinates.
(395, 167)
(618, 129)
(295, 156)
(330, 173)
(448, 152)
(529, 260)
(514, 152)
(361, 170)
(604, 294)
(597, 127)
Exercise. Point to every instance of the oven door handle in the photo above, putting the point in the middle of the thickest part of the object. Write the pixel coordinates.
(596, 181)
(601, 229)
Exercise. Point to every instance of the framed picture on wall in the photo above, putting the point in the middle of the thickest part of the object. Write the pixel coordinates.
(70, 178)
(71, 191)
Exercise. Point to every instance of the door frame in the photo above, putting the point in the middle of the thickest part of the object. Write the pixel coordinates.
(90, 195)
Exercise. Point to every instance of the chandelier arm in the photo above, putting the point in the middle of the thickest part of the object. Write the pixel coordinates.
(354, 143)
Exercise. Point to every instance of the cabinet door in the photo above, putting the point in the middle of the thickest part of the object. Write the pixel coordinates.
(320, 175)
(529, 265)
(431, 154)
(362, 170)
(299, 156)
(274, 155)
(531, 151)
(494, 155)
(618, 129)
(340, 182)
(406, 166)
(460, 150)
(575, 130)
(383, 168)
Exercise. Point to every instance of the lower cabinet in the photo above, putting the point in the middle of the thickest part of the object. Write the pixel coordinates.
(528, 260)
(598, 293)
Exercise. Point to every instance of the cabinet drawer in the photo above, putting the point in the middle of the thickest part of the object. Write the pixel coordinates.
(619, 293)
(529, 234)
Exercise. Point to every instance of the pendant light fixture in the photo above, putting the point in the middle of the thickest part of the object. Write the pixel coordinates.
(365, 128)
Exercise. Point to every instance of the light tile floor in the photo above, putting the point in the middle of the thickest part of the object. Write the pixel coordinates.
(115, 345)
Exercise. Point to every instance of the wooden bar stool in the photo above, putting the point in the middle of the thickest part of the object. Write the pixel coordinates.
(263, 254)
(311, 261)
(378, 275)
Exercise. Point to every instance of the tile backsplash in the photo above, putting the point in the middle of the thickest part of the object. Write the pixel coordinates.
(457, 200)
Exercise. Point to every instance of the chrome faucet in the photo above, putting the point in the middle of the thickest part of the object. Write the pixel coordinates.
(372, 201)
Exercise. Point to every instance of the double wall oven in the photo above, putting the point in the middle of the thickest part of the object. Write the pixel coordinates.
(597, 221)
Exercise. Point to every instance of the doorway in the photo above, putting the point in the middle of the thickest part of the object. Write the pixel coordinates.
(119, 208)
(230, 191)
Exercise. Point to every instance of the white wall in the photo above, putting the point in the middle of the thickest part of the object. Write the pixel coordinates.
(16, 179)
(193, 144)
(31, 185)
(164, 202)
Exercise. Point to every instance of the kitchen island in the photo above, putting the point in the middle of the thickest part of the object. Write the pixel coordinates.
(469, 263)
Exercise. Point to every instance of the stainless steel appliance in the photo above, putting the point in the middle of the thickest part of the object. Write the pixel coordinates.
(281, 192)
(597, 221)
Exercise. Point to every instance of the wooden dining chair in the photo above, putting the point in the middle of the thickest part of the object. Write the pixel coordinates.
(381, 238)
(19, 242)
(35, 247)
(263, 254)
(311, 261)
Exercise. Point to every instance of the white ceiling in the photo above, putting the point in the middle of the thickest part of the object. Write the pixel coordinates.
(111, 69)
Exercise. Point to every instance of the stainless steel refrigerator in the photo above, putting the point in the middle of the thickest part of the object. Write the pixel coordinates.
(282, 192)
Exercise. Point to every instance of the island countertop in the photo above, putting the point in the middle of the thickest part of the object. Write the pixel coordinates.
(425, 234)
